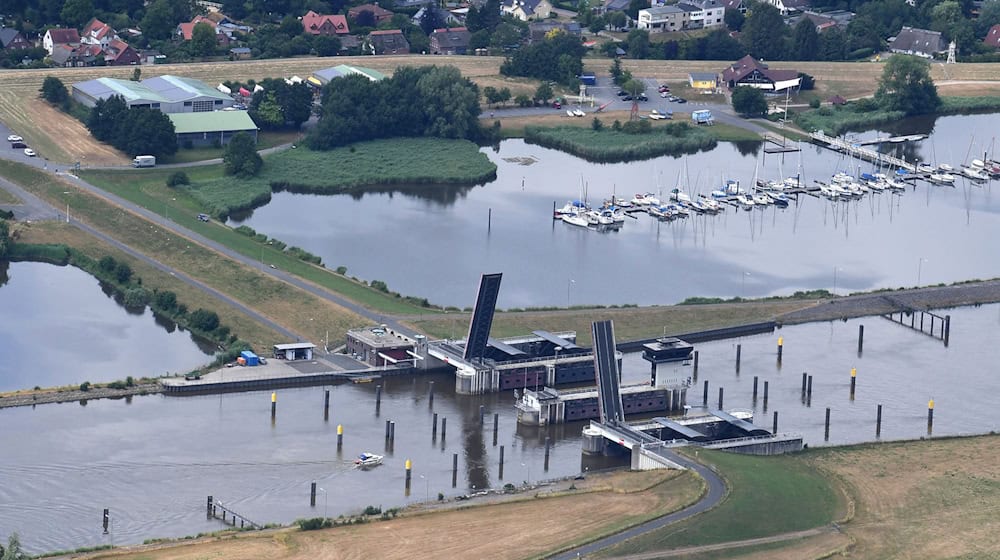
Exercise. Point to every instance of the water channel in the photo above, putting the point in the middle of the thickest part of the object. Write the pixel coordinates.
(70, 329)
(434, 242)
(153, 460)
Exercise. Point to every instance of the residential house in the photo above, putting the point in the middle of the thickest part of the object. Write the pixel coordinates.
(525, 10)
(119, 53)
(704, 14)
(381, 14)
(748, 71)
(450, 40)
(663, 18)
(703, 80)
(738, 5)
(11, 39)
(537, 30)
(239, 53)
(57, 36)
(389, 41)
(992, 37)
(96, 32)
(74, 55)
(787, 7)
(919, 42)
(324, 24)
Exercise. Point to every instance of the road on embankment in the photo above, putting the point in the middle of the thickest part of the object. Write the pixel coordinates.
(715, 492)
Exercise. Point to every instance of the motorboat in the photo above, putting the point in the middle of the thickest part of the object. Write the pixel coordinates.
(368, 460)
(975, 174)
(574, 219)
(942, 178)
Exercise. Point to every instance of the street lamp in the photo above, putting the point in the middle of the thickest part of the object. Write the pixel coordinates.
(920, 265)
(326, 502)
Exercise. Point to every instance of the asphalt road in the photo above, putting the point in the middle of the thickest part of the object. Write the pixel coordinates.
(716, 491)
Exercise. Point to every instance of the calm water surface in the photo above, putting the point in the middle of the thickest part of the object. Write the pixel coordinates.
(434, 243)
(153, 460)
(69, 329)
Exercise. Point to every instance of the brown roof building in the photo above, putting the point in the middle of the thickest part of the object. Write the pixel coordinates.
(748, 71)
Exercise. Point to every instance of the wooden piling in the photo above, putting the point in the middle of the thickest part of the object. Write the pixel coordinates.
(312, 495)
(861, 338)
(547, 446)
(878, 421)
(454, 470)
(826, 430)
(930, 416)
(501, 463)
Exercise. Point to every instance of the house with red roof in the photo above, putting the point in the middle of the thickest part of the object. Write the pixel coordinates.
(324, 24)
(119, 53)
(748, 71)
(993, 37)
(58, 36)
(96, 32)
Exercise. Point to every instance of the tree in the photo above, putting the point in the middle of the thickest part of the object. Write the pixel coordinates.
(749, 101)
(544, 93)
(53, 90)
(638, 43)
(203, 40)
(158, 23)
(805, 40)
(75, 13)
(906, 86)
(734, 20)
(764, 32)
(204, 320)
(241, 157)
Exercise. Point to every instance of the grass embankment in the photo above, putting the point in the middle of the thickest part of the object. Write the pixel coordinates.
(630, 323)
(608, 145)
(529, 526)
(768, 496)
(398, 161)
(299, 311)
(856, 116)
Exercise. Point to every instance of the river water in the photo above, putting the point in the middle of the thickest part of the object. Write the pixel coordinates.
(70, 329)
(434, 242)
(153, 460)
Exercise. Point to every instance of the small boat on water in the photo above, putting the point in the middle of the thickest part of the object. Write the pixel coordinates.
(368, 460)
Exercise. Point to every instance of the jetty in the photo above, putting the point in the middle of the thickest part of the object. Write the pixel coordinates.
(857, 150)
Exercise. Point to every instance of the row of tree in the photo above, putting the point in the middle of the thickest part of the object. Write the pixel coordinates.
(415, 101)
(558, 58)
(134, 131)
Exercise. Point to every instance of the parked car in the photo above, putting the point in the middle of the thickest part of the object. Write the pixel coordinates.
(14, 138)
(29, 152)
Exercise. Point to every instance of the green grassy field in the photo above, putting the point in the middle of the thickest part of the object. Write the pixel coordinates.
(768, 496)
(608, 145)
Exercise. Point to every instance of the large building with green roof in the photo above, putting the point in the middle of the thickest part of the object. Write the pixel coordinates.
(170, 94)
(210, 129)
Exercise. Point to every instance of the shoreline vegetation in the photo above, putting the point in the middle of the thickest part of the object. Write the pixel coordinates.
(865, 113)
